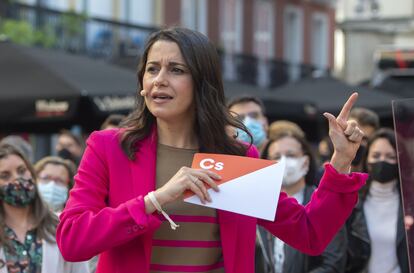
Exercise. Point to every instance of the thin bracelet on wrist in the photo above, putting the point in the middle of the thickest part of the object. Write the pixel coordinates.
(157, 205)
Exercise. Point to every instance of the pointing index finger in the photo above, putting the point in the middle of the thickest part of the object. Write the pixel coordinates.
(346, 109)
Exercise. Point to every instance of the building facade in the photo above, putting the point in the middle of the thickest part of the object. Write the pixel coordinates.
(261, 42)
(366, 26)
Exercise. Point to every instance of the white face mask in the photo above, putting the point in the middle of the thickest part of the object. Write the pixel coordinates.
(294, 170)
(54, 194)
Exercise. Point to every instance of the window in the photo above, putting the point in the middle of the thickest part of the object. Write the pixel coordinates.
(263, 36)
(194, 15)
(320, 41)
(293, 40)
(231, 25)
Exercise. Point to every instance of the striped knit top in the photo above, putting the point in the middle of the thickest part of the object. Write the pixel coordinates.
(195, 246)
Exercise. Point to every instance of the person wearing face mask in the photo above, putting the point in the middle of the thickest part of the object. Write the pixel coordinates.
(27, 226)
(69, 146)
(325, 152)
(369, 122)
(298, 183)
(55, 179)
(376, 235)
(251, 111)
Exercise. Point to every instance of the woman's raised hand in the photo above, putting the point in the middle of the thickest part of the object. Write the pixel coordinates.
(195, 180)
(346, 136)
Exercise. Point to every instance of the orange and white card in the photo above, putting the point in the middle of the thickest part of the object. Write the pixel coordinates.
(249, 186)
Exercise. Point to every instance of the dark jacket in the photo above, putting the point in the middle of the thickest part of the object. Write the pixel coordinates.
(359, 243)
(332, 259)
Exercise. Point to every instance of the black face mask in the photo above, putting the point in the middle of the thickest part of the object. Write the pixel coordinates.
(383, 171)
(358, 156)
(325, 158)
(65, 154)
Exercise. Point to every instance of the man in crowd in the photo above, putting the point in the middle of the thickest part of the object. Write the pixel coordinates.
(251, 111)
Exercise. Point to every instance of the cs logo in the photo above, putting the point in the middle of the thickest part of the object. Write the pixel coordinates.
(209, 163)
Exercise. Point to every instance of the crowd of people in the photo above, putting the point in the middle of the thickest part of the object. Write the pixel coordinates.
(373, 238)
(92, 206)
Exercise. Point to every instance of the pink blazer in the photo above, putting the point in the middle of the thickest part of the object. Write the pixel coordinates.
(105, 213)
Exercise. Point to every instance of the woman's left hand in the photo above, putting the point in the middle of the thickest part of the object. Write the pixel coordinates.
(346, 136)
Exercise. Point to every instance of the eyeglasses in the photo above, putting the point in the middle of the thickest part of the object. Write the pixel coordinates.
(253, 115)
(289, 155)
(47, 178)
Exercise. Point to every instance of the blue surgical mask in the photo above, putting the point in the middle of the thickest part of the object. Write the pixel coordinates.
(54, 194)
(255, 127)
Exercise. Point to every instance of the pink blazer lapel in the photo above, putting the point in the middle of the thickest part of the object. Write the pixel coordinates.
(143, 170)
(143, 167)
(228, 232)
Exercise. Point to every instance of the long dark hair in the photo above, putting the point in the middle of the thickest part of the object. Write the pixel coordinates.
(212, 116)
(45, 221)
(306, 149)
(385, 133)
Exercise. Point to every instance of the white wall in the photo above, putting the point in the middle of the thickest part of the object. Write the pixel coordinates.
(359, 54)
(406, 40)
(339, 54)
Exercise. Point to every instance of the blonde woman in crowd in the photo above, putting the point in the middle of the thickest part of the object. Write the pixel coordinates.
(54, 180)
(27, 226)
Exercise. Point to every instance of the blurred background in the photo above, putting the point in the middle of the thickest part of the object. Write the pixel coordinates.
(68, 64)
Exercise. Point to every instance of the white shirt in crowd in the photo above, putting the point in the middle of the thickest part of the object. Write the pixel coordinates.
(278, 248)
(381, 213)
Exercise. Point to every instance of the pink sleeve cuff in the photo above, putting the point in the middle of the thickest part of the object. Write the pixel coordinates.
(144, 221)
(343, 183)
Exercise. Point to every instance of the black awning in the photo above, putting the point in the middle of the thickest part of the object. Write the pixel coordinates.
(304, 101)
(329, 94)
(276, 108)
(44, 90)
(402, 86)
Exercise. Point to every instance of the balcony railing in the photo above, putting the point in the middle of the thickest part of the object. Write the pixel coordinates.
(265, 73)
(121, 42)
(331, 3)
(97, 37)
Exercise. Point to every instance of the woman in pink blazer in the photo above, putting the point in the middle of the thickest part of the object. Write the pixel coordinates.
(127, 174)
